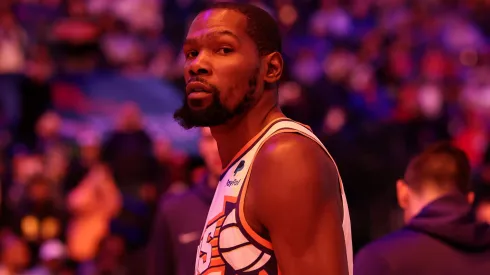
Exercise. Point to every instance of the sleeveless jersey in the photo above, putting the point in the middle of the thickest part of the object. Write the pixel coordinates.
(228, 244)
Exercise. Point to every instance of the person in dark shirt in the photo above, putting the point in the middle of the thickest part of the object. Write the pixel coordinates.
(441, 235)
(180, 218)
(35, 94)
(128, 151)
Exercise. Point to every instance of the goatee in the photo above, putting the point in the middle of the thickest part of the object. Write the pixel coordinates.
(216, 113)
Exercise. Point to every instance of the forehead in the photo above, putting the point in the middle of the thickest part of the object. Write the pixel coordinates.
(218, 20)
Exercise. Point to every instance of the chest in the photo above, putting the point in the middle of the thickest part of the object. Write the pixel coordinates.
(230, 188)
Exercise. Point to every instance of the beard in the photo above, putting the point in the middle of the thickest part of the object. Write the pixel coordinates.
(216, 113)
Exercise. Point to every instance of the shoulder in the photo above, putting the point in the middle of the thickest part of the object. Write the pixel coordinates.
(291, 148)
(289, 170)
(294, 156)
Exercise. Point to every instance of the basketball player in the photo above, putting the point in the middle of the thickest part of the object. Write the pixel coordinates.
(279, 207)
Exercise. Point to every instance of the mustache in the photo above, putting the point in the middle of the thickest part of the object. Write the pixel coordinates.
(198, 79)
(203, 81)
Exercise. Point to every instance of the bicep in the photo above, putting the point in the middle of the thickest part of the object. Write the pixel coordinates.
(309, 240)
(301, 208)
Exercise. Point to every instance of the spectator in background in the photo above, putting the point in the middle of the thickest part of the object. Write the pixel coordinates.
(40, 215)
(52, 255)
(110, 259)
(177, 230)
(76, 39)
(163, 152)
(92, 204)
(35, 94)
(89, 143)
(129, 154)
(13, 42)
(48, 131)
(14, 255)
(441, 235)
(128, 151)
(24, 167)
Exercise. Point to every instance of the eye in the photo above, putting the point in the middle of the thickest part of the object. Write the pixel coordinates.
(191, 54)
(225, 50)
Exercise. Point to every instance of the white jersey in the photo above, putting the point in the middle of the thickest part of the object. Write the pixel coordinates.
(228, 244)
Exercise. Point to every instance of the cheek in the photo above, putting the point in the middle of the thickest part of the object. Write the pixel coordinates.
(237, 87)
(232, 96)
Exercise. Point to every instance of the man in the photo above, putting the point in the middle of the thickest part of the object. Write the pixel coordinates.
(180, 218)
(441, 235)
(279, 206)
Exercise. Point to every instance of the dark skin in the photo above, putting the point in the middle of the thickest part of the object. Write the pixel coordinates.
(309, 239)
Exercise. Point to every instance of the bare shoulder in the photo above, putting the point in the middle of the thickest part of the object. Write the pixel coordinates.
(294, 154)
(292, 168)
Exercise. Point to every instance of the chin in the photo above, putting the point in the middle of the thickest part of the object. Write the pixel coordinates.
(189, 117)
(209, 113)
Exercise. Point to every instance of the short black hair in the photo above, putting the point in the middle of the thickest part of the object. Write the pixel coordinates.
(261, 26)
(441, 165)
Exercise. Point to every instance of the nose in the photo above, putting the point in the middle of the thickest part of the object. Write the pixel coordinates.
(200, 66)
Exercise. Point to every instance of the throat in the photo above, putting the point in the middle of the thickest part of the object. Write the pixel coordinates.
(234, 137)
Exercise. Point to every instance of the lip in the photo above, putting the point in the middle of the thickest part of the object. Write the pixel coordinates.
(198, 95)
(196, 85)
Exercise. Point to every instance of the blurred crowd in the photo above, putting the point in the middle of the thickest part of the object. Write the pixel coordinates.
(377, 80)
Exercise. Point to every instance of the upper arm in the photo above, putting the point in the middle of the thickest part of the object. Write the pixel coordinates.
(296, 188)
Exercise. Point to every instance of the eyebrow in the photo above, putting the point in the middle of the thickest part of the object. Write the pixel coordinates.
(193, 40)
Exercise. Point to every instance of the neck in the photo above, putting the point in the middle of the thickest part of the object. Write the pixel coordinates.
(235, 134)
(421, 200)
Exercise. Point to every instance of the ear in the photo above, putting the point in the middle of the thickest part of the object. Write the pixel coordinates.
(471, 197)
(274, 66)
(402, 194)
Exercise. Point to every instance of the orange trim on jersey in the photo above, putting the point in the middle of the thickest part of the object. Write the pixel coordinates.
(216, 261)
(221, 214)
(219, 269)
(251, 142)
(220, 222)
(265, 243)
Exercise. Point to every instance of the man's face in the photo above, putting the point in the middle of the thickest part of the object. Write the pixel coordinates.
(222, 69)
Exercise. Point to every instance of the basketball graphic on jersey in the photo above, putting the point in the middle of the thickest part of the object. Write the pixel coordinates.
(236, 250)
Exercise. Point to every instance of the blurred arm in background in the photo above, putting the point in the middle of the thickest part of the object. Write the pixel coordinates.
(92, 203)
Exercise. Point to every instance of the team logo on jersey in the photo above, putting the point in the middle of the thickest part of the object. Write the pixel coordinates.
(239, 168)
